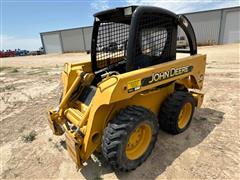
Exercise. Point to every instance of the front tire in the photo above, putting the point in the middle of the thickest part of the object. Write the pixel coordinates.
(176, 112)
(130, 138)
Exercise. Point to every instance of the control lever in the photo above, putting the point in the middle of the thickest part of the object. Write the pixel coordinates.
(107, 74)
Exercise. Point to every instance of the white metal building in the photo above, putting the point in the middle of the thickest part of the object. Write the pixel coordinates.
(67, 40)
(220, 26)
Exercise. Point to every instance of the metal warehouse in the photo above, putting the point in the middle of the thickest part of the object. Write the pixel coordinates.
(67, 40)
(220, 26)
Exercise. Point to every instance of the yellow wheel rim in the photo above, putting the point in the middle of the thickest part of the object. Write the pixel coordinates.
(184, 115)
(138, 141)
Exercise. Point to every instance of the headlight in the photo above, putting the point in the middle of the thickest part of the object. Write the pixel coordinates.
(128, 11)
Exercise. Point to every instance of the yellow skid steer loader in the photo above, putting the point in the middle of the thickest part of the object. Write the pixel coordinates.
(132, 86)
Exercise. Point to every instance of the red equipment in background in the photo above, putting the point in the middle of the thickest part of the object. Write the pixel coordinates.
(7, 53)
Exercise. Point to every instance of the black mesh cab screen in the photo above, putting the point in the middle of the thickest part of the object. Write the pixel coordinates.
(144, 37)
(154, 37)
(111, 43)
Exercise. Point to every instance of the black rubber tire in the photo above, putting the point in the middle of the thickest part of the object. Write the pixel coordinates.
(169, 112)
(117, 133)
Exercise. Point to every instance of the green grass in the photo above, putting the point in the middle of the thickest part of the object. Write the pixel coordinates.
(58, 146)
(14, 70)
(39, 67)
(9, 87)
(28, 138)
(4, 68)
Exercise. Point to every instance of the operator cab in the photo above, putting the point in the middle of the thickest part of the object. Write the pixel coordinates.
(135, 37)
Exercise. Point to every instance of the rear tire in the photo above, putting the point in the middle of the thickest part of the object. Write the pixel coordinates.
(176, 112)
(130, 138)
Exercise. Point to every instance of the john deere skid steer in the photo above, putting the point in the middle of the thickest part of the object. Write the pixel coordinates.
(133, 85)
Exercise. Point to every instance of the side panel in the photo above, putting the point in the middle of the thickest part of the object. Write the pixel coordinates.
(196, 65)
(151, 99)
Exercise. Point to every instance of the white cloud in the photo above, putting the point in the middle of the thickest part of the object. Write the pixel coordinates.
(99, 5)
(225, 4)
(184, 6)
(11, 42)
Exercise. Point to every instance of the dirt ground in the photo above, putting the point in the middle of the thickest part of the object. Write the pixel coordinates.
(209, 149)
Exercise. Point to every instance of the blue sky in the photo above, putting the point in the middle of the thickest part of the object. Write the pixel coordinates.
(23, 20)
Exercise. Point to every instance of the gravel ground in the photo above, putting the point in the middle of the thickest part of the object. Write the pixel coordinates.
(209, 149)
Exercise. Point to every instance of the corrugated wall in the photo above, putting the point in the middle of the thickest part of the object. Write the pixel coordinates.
(69, 40)
(216, 27)
(87, 31)
(52, 43)
(206, 26)
(73, 40)
(231, 32)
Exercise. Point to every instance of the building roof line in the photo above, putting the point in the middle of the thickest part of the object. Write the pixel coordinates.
(211, 10)
(69, 29)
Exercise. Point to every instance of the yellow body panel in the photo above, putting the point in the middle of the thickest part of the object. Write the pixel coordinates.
(147, 87)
